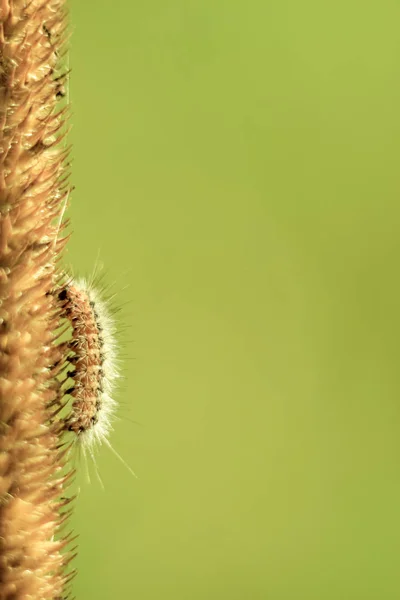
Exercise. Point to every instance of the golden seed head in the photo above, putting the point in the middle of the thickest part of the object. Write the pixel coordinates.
(33, 192)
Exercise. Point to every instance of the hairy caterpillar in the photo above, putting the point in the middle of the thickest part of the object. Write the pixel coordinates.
(94, 374)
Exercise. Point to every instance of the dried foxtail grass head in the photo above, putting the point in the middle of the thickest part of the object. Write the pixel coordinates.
(33, 193)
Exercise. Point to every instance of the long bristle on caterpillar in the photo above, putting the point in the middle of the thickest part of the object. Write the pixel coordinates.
(92, 354)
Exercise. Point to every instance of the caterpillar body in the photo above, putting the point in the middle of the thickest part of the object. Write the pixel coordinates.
(95, 371)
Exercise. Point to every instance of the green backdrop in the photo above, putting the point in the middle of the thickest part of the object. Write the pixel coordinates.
(236, 172)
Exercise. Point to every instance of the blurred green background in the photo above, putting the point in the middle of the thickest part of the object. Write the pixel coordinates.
(236, 167)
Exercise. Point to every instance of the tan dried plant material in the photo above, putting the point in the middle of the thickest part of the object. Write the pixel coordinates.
(33, 193)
